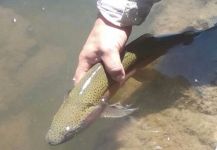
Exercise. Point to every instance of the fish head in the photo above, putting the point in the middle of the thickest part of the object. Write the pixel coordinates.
(66, 125)
(57, 135)
(83, 105)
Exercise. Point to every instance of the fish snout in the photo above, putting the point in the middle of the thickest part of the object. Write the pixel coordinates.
(53, 138)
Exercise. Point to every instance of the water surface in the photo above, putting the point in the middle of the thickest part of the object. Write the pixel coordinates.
(40, 42)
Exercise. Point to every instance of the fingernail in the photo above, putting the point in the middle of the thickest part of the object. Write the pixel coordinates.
(73, 81)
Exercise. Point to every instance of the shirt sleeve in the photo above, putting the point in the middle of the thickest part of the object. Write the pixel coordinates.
(125, 12)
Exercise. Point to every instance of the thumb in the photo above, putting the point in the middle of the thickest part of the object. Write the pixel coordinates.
(113, 65)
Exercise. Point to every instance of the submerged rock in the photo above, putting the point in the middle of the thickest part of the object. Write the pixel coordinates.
(172, 116)
(174, 113)
(203, 100)
(172, 16)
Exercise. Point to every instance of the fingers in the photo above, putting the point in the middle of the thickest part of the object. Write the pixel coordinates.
(104, 42)
(82, 68)
(111, 60)
(84, 64)
(113, 65)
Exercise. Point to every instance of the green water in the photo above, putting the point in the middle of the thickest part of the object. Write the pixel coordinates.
(39, 46)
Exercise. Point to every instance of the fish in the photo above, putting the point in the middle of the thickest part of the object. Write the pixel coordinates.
(89, 99)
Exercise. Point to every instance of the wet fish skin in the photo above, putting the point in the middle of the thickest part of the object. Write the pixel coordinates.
(87, 100)
(84, 104)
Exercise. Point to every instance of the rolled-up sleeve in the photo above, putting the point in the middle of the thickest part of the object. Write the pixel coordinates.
(125, 12)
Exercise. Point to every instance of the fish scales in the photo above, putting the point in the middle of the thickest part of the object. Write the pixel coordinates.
(80, 101)
(86, 100)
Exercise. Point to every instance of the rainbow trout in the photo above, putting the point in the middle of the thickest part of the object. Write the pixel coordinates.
(88, 100)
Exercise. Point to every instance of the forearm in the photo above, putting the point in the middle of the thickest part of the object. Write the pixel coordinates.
(125, 12)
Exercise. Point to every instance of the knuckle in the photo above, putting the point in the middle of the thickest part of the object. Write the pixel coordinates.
(84, 56)
(105, 49)
(88, 57)
(116, 68)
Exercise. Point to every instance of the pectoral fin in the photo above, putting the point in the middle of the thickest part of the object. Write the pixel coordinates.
(117, 111)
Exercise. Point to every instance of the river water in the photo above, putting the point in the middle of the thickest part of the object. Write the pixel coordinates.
(40, 42)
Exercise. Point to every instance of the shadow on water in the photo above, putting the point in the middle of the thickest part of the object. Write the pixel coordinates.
(159, 94)
(152, 97)
(161, 90)
(164, 88)
(151, 48)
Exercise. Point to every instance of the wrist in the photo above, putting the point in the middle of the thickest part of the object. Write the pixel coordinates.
(102, 20)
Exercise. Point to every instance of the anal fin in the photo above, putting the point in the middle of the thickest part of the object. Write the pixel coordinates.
(117, 111)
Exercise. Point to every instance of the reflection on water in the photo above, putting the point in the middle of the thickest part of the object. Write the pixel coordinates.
(176, 94)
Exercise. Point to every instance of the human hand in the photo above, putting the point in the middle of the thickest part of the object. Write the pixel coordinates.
(105, 42)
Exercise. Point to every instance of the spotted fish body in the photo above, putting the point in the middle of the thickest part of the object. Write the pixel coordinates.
(86, 101)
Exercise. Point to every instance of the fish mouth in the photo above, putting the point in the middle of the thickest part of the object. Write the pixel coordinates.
(70, 131)
(68, 134)
(52, 140)
(73, 131)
